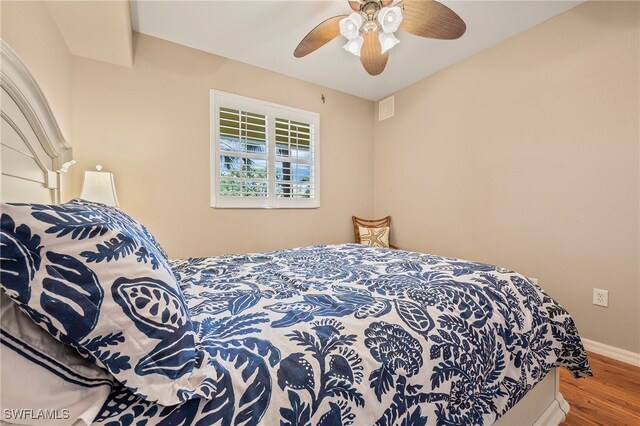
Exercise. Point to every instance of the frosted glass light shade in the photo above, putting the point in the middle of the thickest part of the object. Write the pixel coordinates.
(100, 188)
(355, 45)
(350, 26)
(390, 19)
(387, 41)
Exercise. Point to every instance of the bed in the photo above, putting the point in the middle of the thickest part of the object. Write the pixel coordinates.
(324, 335)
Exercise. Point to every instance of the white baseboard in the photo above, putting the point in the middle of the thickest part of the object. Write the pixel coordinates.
(555, 414)
(612, 352)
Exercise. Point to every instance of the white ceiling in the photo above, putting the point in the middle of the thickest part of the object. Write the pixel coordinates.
(265, 33)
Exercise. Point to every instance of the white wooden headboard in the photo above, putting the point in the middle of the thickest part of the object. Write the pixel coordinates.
(33, 152)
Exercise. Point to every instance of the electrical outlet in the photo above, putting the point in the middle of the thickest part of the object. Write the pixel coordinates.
(600, 297)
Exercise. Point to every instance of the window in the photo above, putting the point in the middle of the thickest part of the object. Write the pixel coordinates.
(263, 155)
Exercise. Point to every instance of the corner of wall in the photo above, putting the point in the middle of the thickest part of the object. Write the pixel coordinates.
(29, 28)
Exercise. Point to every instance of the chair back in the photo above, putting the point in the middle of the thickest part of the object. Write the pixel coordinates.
(369, 223)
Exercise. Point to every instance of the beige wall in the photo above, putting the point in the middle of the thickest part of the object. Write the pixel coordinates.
(96, 29)
(150, 125)
(29, 28)
(526, 156)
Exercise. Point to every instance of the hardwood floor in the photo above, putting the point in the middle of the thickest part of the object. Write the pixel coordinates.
(610, 398)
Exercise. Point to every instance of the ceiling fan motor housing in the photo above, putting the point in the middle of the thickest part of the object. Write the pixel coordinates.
(370, 11)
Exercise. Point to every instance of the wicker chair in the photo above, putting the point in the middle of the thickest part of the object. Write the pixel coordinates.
(371, 223)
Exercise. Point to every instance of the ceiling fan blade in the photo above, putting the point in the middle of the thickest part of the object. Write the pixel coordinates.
(319, 36)
(355, 5)
(428, 18)
(372, 60)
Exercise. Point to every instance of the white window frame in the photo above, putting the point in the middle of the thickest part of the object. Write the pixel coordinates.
(270, 110)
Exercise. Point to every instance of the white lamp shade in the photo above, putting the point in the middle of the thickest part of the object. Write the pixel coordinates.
(350, 26)
(390, 19)
(100, 188)
(354, 45)
(387, 41)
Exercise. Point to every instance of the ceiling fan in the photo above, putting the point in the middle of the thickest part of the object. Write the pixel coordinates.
(370, 29)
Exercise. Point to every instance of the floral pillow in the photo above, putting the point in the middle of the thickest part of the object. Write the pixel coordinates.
(95, 279)
(144, 233)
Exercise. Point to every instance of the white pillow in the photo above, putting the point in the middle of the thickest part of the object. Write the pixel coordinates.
(376, 237)
(44, 382)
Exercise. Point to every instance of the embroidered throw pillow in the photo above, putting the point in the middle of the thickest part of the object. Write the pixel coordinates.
(96, 281)
(376, 237)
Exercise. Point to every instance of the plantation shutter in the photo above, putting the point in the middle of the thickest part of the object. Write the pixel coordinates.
(294, 159)
(243, 170)
(263, 155)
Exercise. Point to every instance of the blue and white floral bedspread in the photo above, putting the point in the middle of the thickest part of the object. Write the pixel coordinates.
(354, 335)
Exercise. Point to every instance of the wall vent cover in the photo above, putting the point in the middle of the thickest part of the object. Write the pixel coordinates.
(386, 108)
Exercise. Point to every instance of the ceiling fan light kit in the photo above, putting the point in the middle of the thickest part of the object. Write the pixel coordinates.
(388, 21)
(370, 28)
